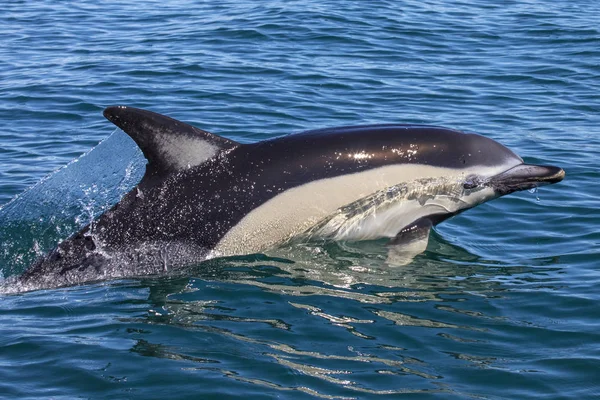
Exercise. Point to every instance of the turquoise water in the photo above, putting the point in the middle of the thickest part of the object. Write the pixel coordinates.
(504, 303)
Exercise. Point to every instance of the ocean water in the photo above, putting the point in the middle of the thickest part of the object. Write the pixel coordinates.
(504, 304)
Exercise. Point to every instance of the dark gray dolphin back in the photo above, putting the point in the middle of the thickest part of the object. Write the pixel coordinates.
(323, 152)
(326, 153)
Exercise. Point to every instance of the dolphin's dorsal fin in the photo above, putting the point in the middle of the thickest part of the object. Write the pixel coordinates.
(168, 145)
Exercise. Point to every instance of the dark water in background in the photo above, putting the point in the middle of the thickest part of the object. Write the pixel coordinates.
(504, 304)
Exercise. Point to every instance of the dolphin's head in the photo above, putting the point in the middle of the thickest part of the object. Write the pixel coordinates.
(478, 169)
(499, 171)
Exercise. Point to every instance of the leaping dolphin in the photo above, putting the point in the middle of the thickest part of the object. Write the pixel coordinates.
(205, 196)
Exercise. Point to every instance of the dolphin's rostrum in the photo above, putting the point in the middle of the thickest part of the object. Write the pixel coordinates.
(204, 196)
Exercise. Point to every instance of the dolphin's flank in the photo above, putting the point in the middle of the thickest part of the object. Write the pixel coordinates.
(204, 196)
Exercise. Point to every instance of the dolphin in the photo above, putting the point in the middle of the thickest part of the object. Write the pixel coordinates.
(204, 196)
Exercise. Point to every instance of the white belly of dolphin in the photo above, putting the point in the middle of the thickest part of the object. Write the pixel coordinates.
(297, 210)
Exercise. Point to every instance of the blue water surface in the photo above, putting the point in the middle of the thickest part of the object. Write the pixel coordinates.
(503, 304)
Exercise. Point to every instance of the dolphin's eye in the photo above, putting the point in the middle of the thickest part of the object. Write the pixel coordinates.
(471, 182)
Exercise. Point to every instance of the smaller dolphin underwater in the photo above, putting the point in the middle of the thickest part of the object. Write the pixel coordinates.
(205, 196)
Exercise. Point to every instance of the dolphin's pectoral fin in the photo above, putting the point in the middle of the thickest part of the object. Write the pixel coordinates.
(409, 242)
(168, 145)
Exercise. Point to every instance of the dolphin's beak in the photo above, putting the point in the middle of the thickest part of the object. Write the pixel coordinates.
(525, 176)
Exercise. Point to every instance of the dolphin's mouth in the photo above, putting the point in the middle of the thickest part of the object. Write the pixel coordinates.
(525, 176)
